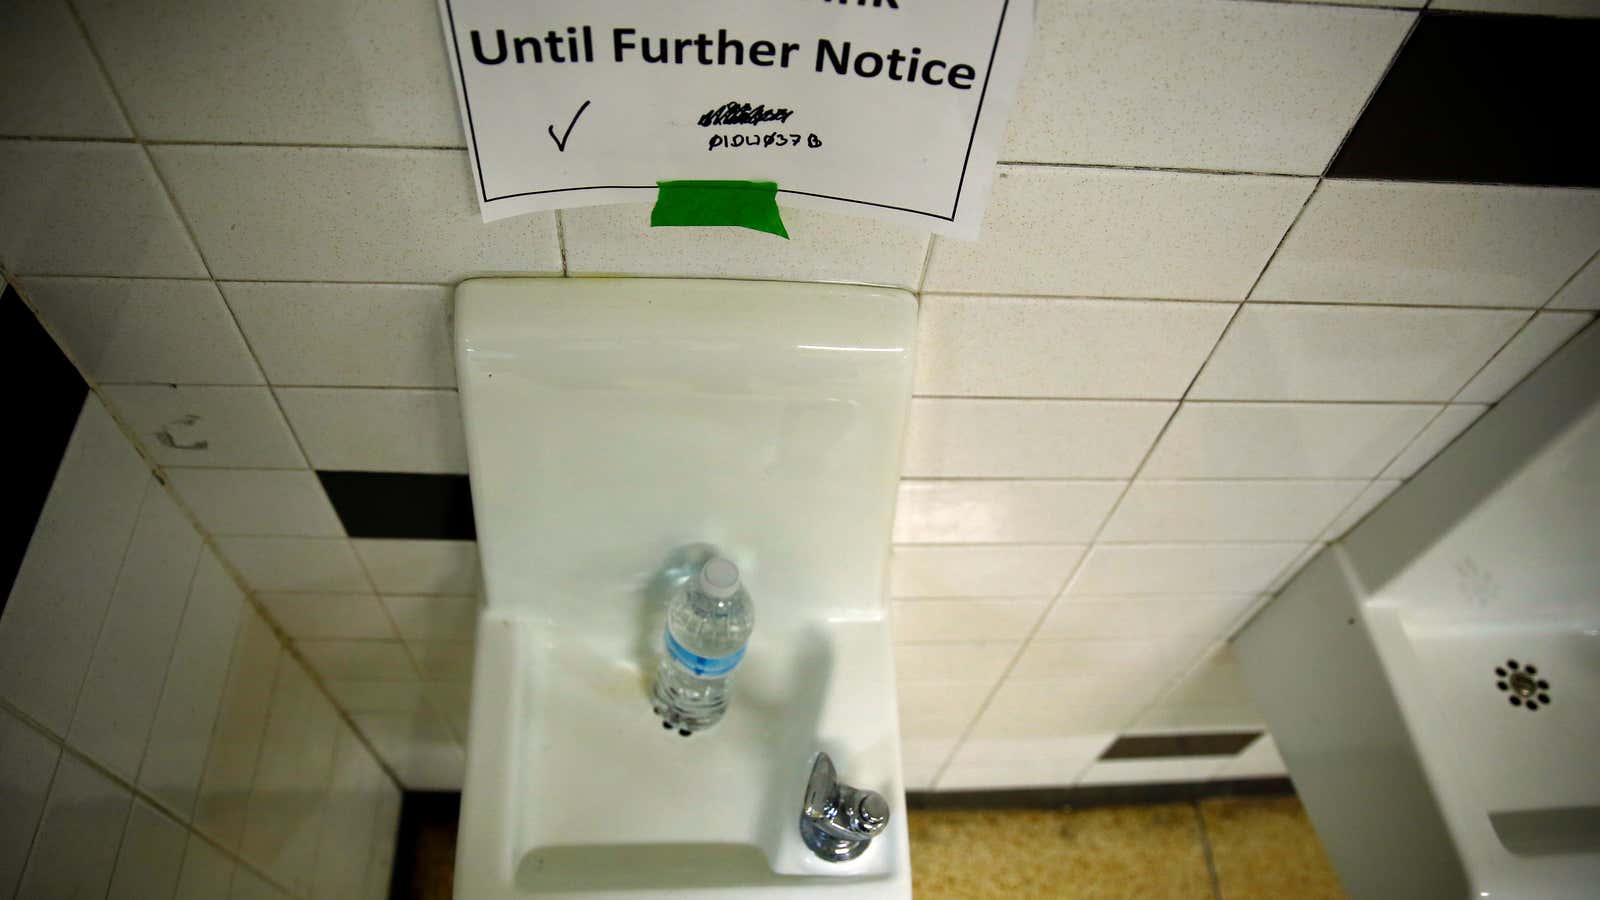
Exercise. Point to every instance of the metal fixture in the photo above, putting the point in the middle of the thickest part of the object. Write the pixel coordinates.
(1521, 682)
(839, 821)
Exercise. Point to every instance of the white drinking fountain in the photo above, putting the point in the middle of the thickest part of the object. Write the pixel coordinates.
(621, 431)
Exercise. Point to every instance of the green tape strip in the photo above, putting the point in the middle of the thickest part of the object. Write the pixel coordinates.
(746, 204)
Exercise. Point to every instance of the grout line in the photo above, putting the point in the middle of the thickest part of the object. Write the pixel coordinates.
(561, 245)
(1175, 400)
(297, 145)
(1126, 167)
(49, 783)
(1593, 260)
(1205, 848)
(927, 264)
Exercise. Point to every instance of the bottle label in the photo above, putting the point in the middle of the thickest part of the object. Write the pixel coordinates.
(702, 666)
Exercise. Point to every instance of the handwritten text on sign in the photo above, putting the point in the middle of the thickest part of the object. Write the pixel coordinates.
(890, 108)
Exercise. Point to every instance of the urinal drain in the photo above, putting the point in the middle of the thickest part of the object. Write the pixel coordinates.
(1522, 685)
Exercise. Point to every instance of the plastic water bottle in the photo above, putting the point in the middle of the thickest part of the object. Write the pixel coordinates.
(708, 622)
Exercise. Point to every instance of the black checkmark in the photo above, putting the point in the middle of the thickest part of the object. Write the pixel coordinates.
(561, 142)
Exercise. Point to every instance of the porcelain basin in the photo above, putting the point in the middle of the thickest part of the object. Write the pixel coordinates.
(617, 432)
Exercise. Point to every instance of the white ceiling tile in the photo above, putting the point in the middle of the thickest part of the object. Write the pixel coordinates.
(1107, 672)
(289, 502)
(1006, 619)
(1002, 570)
(443, 660)
(347, 214)
(1276, 352)
(1143, 617)
(1583, 291)
(1024, 711)
(421, 567)
(1040, 347)
(151, 855)
(75, 849)
(193, 425)
(1214, 681)
(618, 240)
(953, 662)
(1285, 440)
(1030, 438)
(340, 660)
(1543, 336)
(378, 696)
(145, 330)
(1119, 83)
(55, 88)
(1182, 568)
(296, 564)
(27, 760)
(1445, 244)
(1293, 568)
(356, 335)
(89, 209)
(1212, 511)
(419, 747)
(328, 616)
(433, 617)
(283, 71)
(938, 710)
(1433, 439)
(1365, 502)
(378, 430)
(1115, 233)
(999, 512)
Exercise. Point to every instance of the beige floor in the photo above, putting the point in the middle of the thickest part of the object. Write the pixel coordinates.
(1221, 849)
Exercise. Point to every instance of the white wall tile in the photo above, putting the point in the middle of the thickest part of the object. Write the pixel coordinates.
(283, 820)
(1008, 619)
(1543, 336)
(1433, 439)
(180, 735)
(376, 430)
(1260, 760)
(1284, 440)
(1120, 83)
(997, 512)
(347, 214)
(1152, 771)
(257, 501)
(1212, 511)
(1293, 568)
(421, 567)
(358, 335)
(343, 660)
(618, 240)
(89, 209)
(381, 862)
(1368, 500)
(151, 856)
(1114, 233)
(56, 89)
(325, 565)
(971, 769)
(1029, 720)
(69, 571)
(1029, 438)
(1167, 719)
(75, 849)
(1214, 681)
(433, 617)
(123, 686)
(1133, 617)
(1039, 347)
(1352, 353)
(378, 696)
(933, 710)
(453, 701)
(312, 616)
(954, 662)
(1182, 568)
(419, 747)
(1448, 244)
(151, 331)
(249, 885)
(356, 72)
(1583, 291)
(241, 427)
(977, 571)
(27, 762)
(449, 661)
(236, 741)
(206, 873)
(1107, 672)
(349, 821)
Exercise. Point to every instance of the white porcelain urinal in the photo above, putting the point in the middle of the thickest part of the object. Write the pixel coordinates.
(617, 429)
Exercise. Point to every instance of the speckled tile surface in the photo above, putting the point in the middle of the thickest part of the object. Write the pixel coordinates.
(1265, 847)
(1112, 852)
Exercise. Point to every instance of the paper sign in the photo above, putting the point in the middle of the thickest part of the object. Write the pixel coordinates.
(888, 108)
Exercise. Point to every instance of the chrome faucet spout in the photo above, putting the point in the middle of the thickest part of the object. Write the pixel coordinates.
(838, 821)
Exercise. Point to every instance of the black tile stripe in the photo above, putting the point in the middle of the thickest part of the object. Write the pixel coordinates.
(1169, 746)
(49, 395)
(1483, 98)
(1101, 795)
(402, 505)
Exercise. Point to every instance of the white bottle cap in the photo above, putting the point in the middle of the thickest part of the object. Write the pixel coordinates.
(719, 578)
